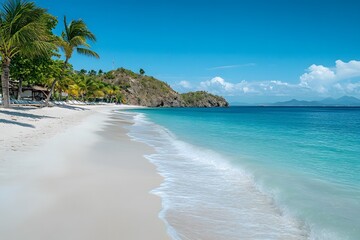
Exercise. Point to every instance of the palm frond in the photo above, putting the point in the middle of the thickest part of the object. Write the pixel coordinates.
(79, 28)
(75, 36)
(37, 48)
(65, 34)
(87, 52)
(23, 25)
(77, 41)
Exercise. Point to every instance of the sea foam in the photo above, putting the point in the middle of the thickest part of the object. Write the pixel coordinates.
(206, 197)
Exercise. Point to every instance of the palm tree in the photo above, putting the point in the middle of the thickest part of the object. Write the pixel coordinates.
(74, 37)
(24, 30)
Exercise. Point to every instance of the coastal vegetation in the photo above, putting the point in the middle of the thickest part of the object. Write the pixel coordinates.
(202, 98)
(74, 37)
(30, 56)
(25, 30)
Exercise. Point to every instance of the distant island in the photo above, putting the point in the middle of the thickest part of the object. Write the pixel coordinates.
(345, 101)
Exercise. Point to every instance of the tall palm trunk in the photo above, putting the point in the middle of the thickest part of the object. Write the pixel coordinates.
(5, 77)
(20, 89)
(51, 91)
(55, 81)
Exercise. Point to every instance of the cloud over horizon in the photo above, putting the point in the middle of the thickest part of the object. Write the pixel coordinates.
(185, 84)
(322, 79)
(218, 85)
(318, 81)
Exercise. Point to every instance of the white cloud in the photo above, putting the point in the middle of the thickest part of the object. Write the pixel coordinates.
(324, 79)
(318, 81)
(347, 70)
(317, 72)
(185, 84)
(218, 82)
(219, 86)
(353, 88)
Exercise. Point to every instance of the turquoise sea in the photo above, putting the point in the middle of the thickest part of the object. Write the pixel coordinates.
(255, 172)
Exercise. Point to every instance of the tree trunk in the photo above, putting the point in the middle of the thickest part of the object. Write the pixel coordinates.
(54, 83)
(20, 89)
(51, 91)
(5, 77)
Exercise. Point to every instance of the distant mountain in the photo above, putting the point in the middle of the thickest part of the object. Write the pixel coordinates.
(294, 102)
(343, 101)
(240, 104)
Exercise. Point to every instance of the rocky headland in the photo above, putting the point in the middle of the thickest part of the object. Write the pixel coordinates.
(137, 89)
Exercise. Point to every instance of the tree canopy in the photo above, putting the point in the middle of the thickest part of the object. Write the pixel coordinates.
(29, 52)
(25, 30)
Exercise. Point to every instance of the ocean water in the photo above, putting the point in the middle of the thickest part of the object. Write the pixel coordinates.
(255, 172)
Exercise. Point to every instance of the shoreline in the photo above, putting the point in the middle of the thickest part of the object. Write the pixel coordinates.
(86, 179)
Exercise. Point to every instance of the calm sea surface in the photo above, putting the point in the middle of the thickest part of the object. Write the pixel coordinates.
(256, 172)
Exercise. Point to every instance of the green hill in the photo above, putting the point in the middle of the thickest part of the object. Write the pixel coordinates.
(148, 91)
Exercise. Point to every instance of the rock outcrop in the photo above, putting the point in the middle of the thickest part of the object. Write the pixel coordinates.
(148, 91)
(202, 99)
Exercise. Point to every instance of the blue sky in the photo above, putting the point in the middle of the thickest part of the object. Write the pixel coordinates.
(248, 51)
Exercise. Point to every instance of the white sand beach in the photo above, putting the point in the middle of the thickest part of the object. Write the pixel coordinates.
(72, 173)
